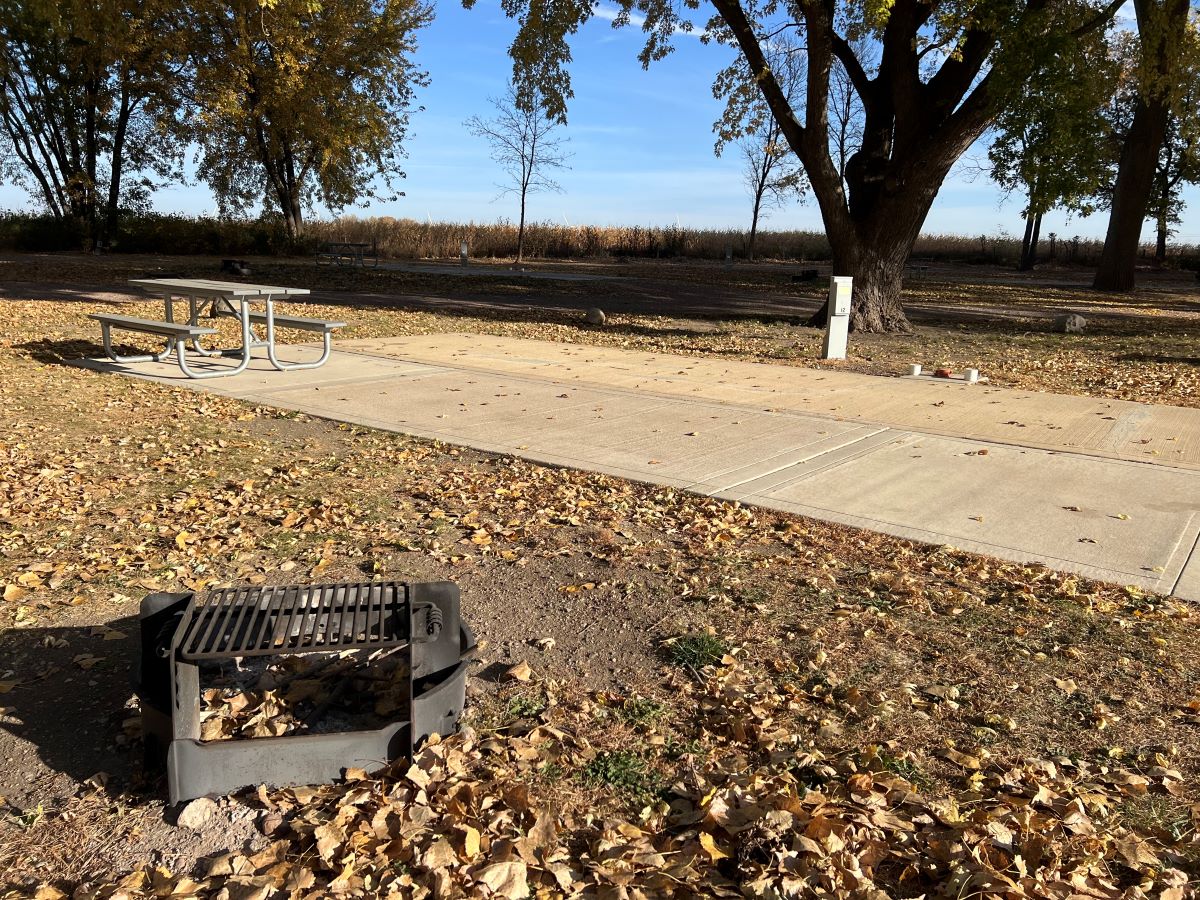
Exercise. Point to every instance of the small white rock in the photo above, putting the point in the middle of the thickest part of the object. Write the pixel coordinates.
(197, 814)
(595, 316)
(1071, 323)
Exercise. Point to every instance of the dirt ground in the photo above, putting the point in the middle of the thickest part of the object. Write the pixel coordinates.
(699, 672)
(1141, 346)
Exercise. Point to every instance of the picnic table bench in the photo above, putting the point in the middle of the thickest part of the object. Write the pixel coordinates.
(218, 297)
(348, 253)
(920, 267)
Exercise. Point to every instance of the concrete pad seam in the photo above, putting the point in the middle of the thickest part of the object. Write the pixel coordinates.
(1192, 557)
(869, 446)
(849, 445)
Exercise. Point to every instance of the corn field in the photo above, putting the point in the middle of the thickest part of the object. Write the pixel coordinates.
(411, 239)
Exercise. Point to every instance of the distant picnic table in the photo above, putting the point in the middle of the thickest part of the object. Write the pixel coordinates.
(226, 298)
(348, 253)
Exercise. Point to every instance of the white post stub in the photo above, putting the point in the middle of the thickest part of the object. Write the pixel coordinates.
(462, 252)
(837, 329)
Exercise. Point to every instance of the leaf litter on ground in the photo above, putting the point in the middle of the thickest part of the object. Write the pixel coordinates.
(888, 720)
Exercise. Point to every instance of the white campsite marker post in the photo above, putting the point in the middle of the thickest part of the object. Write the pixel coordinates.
(462, 252)
(837, 328)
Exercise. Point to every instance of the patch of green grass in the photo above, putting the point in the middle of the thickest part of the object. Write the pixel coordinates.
(877, 603)
(623, 770)
(1154, 814)
(674, 750)
(641, 711)
(525, 706)
(906, 768)
(28, 818)
(696, 650)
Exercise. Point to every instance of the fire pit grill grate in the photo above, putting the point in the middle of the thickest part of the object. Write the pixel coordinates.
(182, 632)
(295, 619)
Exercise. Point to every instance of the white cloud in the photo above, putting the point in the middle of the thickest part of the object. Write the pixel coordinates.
(637, 20)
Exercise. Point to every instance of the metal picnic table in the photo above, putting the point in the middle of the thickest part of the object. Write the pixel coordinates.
(218, 298)
(349, 253)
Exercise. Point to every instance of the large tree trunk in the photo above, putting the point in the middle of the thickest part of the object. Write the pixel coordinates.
(1131, 197)
(521, 230)
(1161, 29)
(1029, 247)
(754, 226)
(91, 153)
(116, 165)
(293, 219)
(876, 263)
(878, 271)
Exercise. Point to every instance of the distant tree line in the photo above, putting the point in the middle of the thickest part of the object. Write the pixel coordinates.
(863, 105)
(288, 102)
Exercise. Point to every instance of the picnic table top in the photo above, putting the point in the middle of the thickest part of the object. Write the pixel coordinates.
(213, 288)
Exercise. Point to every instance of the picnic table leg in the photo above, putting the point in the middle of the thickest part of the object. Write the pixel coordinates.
(106, 337)
(326, 346)
(194, 309)
(171, 342)
(240, 367)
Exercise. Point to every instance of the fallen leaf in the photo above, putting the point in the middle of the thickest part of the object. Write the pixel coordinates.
(709, 843)
(506, 879)
(520, 672)
(470, 842)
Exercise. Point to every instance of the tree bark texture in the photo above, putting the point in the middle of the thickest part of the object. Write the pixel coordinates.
(1161, 29)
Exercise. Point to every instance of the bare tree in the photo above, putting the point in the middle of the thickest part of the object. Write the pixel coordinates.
(846, 110)
(772, 173)
(771, 170)
(523, 145)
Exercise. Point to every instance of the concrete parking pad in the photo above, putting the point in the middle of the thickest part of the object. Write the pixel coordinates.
(1104, 488)
(1096, 426)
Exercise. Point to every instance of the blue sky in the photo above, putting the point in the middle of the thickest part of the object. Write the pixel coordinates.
(642, 144)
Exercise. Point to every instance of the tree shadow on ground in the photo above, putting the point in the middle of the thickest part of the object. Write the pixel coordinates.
(1160, 358)
(70, 707)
